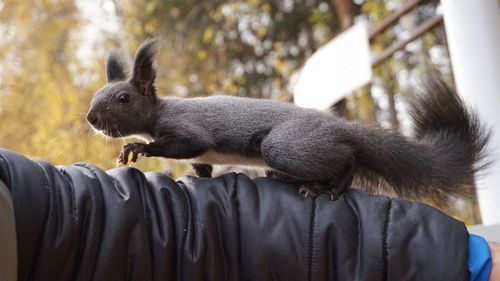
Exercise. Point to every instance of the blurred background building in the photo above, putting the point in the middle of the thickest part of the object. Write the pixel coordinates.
(52, 61)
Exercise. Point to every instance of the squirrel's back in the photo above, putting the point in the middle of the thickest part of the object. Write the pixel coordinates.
(246, 115)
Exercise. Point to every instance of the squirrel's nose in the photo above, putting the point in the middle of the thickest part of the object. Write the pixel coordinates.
(92, 118)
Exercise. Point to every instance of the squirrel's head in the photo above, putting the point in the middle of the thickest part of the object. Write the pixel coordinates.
(125, 106)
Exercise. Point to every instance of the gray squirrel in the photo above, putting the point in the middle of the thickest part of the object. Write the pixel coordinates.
(320, 152)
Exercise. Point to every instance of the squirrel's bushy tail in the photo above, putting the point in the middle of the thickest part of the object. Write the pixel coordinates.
(447, 152)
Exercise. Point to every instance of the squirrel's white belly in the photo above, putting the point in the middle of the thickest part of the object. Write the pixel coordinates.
(214, 157)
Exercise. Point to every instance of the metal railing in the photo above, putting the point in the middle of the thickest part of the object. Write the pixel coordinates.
(398, 45)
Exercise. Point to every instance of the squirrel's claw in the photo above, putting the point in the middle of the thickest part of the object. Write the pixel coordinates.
(134, 148)
(135, 155)
(119, 160)
(313, 190)
(309, 191)
(334, 195)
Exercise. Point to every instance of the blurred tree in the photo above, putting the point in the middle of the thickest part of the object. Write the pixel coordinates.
(245, 48)
(45, 89)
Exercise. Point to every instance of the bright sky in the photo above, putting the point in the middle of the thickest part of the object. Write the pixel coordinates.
(100, 17)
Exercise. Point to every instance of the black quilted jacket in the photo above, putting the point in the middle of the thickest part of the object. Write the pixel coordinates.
(81, 223)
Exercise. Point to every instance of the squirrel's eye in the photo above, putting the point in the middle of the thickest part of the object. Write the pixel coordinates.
(123, 98)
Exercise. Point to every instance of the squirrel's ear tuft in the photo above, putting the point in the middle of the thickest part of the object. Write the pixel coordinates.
(144, 74)
(115, 67)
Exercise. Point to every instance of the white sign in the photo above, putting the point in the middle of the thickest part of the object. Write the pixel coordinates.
(336, 69)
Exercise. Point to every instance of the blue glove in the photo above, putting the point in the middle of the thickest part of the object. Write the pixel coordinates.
(479, 258)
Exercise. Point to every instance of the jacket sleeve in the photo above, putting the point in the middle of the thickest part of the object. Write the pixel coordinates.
(80, 223)
(8, 249)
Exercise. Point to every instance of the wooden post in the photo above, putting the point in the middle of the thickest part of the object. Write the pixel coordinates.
(473, 40)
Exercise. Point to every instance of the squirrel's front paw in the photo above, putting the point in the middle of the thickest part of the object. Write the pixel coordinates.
(135, 149)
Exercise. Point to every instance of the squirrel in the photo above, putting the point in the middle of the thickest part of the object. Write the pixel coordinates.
(324, 153)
